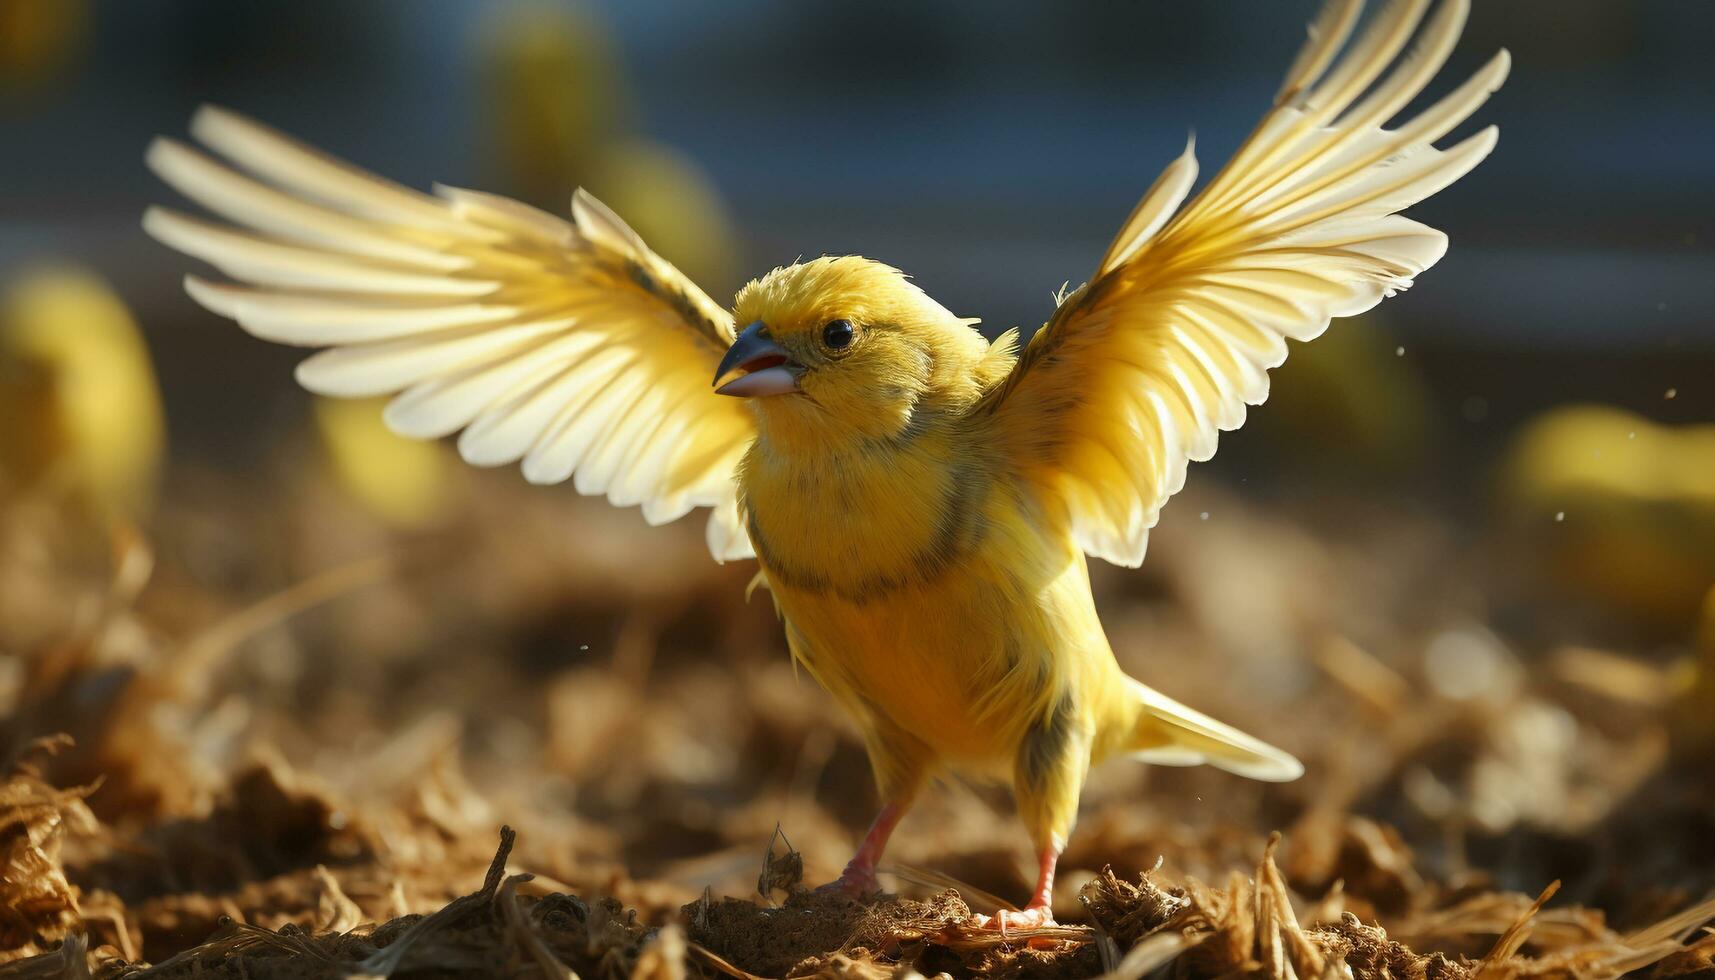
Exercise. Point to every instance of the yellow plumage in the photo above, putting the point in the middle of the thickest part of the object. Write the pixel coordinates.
(921, 501)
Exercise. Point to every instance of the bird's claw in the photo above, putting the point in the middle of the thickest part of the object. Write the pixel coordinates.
(1007, 920)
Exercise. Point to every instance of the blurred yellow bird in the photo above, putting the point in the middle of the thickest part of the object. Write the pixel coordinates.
(921, 501)
(1619, 508)
(80, 411)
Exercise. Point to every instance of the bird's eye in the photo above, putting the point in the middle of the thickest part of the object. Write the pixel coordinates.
(837, 334)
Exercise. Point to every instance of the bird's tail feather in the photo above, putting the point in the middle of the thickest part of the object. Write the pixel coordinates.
(1168, 733)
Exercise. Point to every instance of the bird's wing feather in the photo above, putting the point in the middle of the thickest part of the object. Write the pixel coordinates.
(1137, 371)
(568, 346)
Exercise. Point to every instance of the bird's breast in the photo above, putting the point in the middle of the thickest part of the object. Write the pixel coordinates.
(960, 629)
(866, 524)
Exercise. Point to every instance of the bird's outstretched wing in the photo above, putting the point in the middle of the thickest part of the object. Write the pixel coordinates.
(567, 345)
(1138, 370)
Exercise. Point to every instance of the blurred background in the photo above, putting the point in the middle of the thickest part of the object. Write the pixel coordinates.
(1462, 562)
(989, 152)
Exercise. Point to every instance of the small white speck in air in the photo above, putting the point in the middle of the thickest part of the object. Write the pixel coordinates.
(583, 646)
(1670, 394)
(1203, 516)
(1631, 435)
(1559, 516)
(1399, 352)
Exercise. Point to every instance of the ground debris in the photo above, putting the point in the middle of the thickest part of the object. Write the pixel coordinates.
(292, 762)
(806, 934)
(39, 907)
(514, 927)
(824, 933)
(495, 931)
(1128, 912)
(1695, 962)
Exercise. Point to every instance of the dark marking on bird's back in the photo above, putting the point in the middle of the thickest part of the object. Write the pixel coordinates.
(1046, 746)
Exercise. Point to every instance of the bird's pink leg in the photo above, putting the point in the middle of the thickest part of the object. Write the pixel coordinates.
(859, 876)
(1040, 911)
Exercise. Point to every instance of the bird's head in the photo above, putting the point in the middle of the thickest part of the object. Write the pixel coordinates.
(839, 348)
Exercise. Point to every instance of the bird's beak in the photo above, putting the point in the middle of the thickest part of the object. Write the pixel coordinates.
(755, 365)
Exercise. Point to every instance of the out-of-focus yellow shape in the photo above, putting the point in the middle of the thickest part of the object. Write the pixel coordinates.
(79, 406)
(39, 37)
(554, 95)
(1352, 399)
(1706, 638)
(670, 201)
(1597, 449)
(1626, 507)
(560, 109)
(1694, 689)
(401, 481)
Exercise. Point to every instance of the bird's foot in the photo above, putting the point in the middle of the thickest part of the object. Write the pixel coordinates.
(1007, 920)
(852, 883)
(858, 879)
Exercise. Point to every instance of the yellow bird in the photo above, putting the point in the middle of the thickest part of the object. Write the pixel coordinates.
(921, 501)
